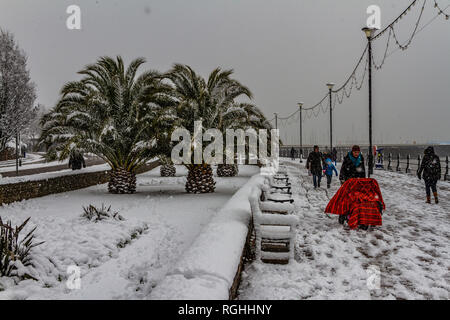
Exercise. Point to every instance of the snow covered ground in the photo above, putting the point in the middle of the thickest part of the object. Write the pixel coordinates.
(118, 259)
(31, 161)
(411, 250)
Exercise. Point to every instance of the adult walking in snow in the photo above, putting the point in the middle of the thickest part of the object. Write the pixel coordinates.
(430, 171)
(329, 168)
(353, 165)
(314, 164)
(76, 160)
(334, 155)
(293, 152)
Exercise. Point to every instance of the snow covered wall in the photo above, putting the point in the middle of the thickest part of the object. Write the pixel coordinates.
(208, 268)
(39, 185)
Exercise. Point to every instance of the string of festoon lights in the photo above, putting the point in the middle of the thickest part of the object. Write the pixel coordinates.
(441, 11)
(359, 73)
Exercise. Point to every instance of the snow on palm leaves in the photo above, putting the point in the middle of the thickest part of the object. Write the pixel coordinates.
(112, 113)
(214, 102)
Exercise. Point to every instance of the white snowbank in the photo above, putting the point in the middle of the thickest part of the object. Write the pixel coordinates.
(208, 268)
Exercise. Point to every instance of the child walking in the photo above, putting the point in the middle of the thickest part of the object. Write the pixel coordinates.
(328, 168)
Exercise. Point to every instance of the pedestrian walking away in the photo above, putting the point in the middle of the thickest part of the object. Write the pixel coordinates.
(328, 169)
(334, 155)
(430, 171)
(314, 164)
(293, 153)
(353, 165)
(76, 160)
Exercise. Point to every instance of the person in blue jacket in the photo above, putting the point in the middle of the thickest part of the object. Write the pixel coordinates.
(328, 169)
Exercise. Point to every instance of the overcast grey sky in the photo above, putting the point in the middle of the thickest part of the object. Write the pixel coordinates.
(284, 50)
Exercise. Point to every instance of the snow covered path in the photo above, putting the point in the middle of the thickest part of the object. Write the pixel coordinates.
(411, 249)
(174, 219)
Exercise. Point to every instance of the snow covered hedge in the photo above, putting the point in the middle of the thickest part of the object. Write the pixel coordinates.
(208, 268)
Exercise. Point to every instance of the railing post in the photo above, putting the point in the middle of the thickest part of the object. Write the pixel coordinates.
(408, 170)
(390, 162)
(446, 177)
(398, 163)
(419, 162)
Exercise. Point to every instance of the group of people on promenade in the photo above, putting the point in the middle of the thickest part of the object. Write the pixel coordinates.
(353, 166)
(319, 164)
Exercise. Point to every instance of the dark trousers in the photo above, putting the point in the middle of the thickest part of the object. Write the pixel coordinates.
(430, 186)
(316, 180)
(329, 180)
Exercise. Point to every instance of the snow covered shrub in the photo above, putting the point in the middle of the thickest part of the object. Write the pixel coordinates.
(15, 254)
(95, 214)
(134, 234)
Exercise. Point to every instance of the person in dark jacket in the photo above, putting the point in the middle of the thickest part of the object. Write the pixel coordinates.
(353, 165)
(430, 171)
(314, 164)
(293, 152)
(334, 155)
(76, 160)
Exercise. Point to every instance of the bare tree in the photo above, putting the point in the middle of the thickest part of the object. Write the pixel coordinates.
(17, 92)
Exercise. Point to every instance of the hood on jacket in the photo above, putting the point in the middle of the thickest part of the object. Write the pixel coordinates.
(429, 151)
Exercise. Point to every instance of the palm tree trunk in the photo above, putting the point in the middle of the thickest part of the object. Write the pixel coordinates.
(122, 181)
(200, 179)
(227, 170)
(167, 170)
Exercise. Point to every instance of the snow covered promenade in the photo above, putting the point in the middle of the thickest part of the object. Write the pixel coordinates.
(118, 259)
(411, 249)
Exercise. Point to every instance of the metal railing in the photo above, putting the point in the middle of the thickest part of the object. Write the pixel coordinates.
(409, 163)
(397, 164)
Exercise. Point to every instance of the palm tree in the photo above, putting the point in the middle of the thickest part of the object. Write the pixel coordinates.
(214, 102)
(113, 113)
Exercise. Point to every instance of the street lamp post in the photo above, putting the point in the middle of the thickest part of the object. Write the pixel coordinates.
(17, 153)
(276, 120)
(330, 86)
(300, 104)
(369, 32)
